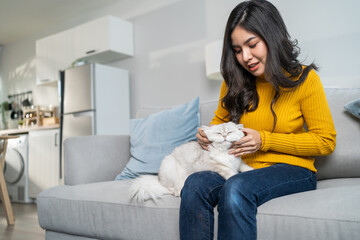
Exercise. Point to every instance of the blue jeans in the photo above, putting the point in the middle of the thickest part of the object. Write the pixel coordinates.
(237, 199)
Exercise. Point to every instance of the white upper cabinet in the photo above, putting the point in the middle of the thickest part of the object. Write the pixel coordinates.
(43, 67)
(102, 40)
(53, 53)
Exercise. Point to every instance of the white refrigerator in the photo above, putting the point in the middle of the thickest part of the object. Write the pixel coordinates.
(94, 101)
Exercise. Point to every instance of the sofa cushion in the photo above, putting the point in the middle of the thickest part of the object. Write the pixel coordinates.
(345, 160)
(63, 236)
(354, 108)
(207, 111)
(330, 212)
(103, 155)
(155, 136)
(104, 211)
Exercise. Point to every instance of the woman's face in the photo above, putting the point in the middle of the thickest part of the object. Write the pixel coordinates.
(250, 51)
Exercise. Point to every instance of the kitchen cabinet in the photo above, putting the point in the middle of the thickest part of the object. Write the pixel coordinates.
(54, 53)
(44, 160)
(104, 40)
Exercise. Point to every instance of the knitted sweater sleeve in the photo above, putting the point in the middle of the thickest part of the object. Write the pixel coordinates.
(220, 113)
(320, 138)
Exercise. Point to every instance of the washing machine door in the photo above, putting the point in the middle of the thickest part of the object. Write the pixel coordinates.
(14, 166)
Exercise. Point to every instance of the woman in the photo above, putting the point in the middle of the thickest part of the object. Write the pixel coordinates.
(273, 95)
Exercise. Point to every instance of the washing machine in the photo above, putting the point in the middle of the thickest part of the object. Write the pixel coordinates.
(16, 169)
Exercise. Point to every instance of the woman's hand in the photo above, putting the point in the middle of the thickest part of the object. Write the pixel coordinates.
(250, 143)
(202, 139)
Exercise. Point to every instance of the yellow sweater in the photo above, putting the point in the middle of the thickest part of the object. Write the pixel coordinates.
(289, 143)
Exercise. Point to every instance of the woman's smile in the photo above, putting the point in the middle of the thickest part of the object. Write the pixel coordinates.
(253, 67)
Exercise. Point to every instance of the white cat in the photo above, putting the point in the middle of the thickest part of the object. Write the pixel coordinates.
(189, 158)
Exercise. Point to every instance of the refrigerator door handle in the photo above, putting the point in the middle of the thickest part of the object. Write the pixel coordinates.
(82, 114)
(56, 139)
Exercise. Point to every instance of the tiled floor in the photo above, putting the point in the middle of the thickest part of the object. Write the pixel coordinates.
(26, 224)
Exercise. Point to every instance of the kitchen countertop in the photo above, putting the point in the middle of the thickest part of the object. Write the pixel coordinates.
(26, 130)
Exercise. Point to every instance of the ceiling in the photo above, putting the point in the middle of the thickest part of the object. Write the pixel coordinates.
(20, 18)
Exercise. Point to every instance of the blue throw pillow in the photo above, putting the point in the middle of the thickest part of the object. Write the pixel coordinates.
(155, 136)
(354, 108)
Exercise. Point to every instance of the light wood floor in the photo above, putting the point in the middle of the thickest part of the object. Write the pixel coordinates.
(26, 224)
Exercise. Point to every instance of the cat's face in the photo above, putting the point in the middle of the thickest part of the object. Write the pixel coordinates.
(229, 132)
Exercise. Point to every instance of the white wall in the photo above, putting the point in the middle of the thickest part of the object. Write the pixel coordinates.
(329, 33)
(168, 67)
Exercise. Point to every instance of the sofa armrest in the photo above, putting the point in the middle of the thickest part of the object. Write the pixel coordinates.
(95, 158)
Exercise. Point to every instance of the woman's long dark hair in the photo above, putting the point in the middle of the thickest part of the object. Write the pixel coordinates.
(281, 67)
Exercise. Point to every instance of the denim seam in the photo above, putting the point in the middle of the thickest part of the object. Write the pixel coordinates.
(207, 224)
(283, 183)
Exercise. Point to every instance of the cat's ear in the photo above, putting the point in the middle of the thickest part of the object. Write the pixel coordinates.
(239, 126)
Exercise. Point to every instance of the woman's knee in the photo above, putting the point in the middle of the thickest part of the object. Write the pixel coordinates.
(236, 191)
(200, 185)
(196, 182)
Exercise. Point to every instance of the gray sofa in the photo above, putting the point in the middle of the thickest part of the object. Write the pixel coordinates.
(92, 206)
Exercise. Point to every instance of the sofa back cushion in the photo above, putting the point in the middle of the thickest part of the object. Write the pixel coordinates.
(207, 111)
(345, 160)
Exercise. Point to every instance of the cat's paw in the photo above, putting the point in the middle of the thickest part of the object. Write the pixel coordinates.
(174, 192)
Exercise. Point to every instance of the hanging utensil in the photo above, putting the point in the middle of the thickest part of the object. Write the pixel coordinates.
(14, 113)
(31, 100)
(26, 102)
(20, 107)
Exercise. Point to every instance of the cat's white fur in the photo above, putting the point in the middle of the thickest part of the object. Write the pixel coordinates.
(189, 158)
